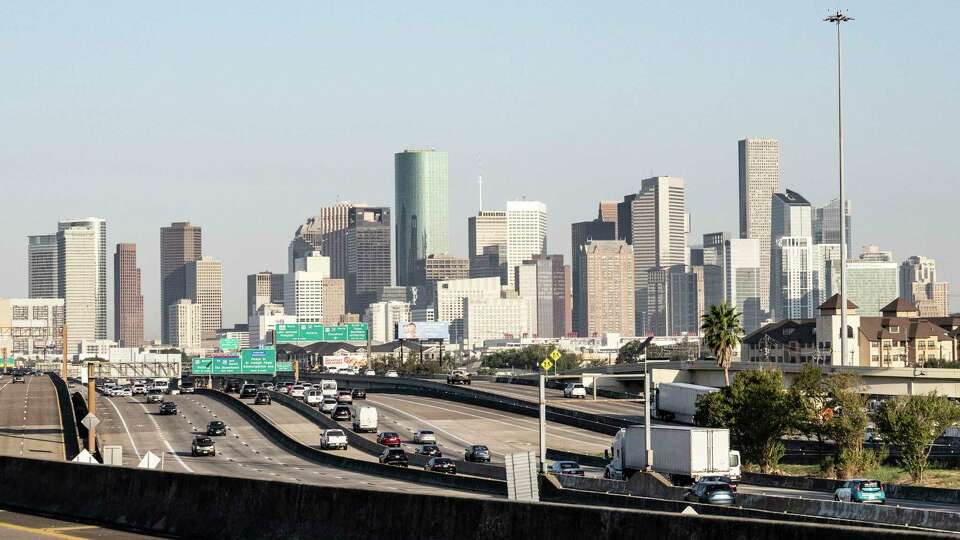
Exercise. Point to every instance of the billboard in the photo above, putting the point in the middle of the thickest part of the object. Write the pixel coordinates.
(312, 332)
(423, 330)
(344, 360)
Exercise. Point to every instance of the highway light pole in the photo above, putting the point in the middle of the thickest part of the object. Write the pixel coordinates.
(543, 423)
(838, 18)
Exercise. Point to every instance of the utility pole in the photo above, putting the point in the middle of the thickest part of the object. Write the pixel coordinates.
(543, 422)
(838, 18)
(646, 418)
(91, 405)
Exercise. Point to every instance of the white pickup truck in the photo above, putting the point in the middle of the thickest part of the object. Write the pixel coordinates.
(575, 390)
(333, 439)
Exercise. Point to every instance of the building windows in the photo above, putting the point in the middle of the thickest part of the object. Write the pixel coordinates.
(21, 313)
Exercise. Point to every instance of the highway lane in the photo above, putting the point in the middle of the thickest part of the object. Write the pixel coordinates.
(19, 526)
(626, 409)
(30, 419)
(825, 496)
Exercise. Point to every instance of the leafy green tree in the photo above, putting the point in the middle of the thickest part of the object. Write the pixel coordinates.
(722, 330)
(848, 424)
(529, 358)
(912, 424)
(630, 352)
(810, 393)
(714, 409)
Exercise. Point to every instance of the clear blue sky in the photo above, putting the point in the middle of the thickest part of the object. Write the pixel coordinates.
(245, 117)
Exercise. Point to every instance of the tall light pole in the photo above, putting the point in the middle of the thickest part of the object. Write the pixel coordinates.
(838, 18)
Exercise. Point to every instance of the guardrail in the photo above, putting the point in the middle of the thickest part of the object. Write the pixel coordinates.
(68, 420)
(288, 443)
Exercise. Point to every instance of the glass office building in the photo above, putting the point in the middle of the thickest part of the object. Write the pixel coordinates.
(421, 209)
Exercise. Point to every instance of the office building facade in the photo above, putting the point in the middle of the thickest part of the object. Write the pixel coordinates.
(607, 273)
(580, 234)
(77, 273)
(42, 266)
(759, 167)
(180, 243)
(451, 296)
(99, 229)
(526, 234)
(487, 244)
(326, 234)
(791, 273)
(421, 208)
(919, 285)
(826, 225)
(186, 325)
(741, 274)
(127, 297)
(263, 288)
(36, 327)
(205, 287)
(368, 256)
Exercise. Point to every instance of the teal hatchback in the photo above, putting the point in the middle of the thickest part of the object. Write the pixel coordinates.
(861, 491)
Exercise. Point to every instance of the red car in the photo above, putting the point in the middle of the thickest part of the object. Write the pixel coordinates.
(388, 438)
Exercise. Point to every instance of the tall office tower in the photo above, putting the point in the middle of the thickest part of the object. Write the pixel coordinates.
(382, 318)
(421, 208)
(688, 297)
(42, 281)
(77, 282)
(496, 318)
(581, 233)
(99, 228)
(451, 296)
(919, 285)
(659, 220)
(606, 267)
(368, 256)
(127, 297)
(526, 234)
(435, 268)
(180, 243)
(657, 294)
(794, 290)
(873, 253)
(263, 322)
(185, 321)
(741, 274)
(311, 295)
(826, 225)
(540, 280)
(624, 228)
(326, 234)
(871, 285)
(568, 300)
(715, 291)
(263, 288)
(759, 161)
(487, 243)
(205, 287)
(824, 257)
(607, 213)
(790, 216)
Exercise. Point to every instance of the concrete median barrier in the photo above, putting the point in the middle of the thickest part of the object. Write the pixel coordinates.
(893, 491)
(68, 419)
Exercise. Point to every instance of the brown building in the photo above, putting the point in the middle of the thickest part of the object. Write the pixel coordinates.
(180, 243)
(127, 297)
(332, 300)
(607, 270)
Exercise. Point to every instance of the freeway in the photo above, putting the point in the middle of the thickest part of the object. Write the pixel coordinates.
(619, 408)
(825, 496)
(244, 452)
(19, 526)
(30, 419)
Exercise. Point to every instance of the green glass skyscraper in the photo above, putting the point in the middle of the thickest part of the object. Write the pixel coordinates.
(420, 210)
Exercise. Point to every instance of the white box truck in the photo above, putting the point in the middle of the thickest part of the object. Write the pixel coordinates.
(365, 420)
(682, 453)
(678, 401)
(328, 387)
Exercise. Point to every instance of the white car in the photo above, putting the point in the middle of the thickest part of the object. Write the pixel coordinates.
(370, 373)
(333, 438)
(297, 391)
(575, 390)
(125, 392)
(266, 386)
(312, 397)
(392, 373)
(139, 389)
(328, 405)
(423, 436)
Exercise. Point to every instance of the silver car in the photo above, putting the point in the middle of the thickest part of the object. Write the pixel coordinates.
(424, 436)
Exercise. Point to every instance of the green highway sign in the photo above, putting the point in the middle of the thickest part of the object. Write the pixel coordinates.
(284, 366)
(201, 366)
(335, 333)
(357, 331)
(258, 361)
(312, 332)
(229, 344)
(286, 332)
(226, 365)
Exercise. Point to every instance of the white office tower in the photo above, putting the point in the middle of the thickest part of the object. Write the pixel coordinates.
(919, 285)
(303, 293)
(98, 229)
(205, 287)
(77, 277)
(526, 234)
(42, 279)
(186, 325)
(382, 319)
(496, 318)
(759, 161)
(871, 285)
(825, 256)
(659, 225)
(741, 259)
(451, 295)
(264, 321)
(790, 216)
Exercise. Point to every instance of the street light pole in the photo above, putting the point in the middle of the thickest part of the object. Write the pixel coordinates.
(543, 423)
(838, 18)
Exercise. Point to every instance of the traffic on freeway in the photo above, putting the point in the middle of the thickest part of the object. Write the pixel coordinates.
(30, 417)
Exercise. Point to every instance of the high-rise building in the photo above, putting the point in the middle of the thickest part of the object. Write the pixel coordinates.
(526, 234)
(311, 295)
(127, 297)
(660, 225)
(567, 300)
(264, 321)
(487, 244)
(185, 325)
(205, 287)
(540, 280)
(180, 243)
(688, 297)
(741, 273)
(759, 161)
(791, 216)
(607, 274)
(42, 280)
(496, 318)
(399, 294)
(325, 234)
(824, 257)
(99, 228)
(421, 208)
(35, 323)
(77, 282)
(871, 285)
(919, 285)
(873, 253)
(826, 226)
(435, 268)
(382, 319)
(581, 233)
(368, 256)
(714, 264)
(263, 288)
(451, 296)
(607, 212)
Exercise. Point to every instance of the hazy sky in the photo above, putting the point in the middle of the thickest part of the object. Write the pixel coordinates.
(246, 117)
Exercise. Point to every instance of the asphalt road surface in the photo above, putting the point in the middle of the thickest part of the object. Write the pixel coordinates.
(626, 409)
(18, 526)
(30, 419)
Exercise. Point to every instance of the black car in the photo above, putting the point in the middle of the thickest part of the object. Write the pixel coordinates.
(441, 465)
(394, 456)
(431, 450)
(342, 412)
(18, 379)
(203, 446)
(168, 407)
(359, 393)
(248, 390)
(233, 385)
(216, 428)
(477, 453)
(263, 398)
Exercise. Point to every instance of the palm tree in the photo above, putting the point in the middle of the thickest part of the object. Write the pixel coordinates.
(721, 331)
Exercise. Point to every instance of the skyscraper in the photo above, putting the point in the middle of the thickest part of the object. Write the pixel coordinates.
(311, 295)
(919, 285)
(791, 274)
(607, 212)
(368, 256)
(180, 243)
(826, 225)
(607, 270)
(759, 161)
(77, 273)
(659, 223)
(871, 284)
(487, 244)
(205, 287)
(526, 234)
(263, 288)
(127, 297)
(421, 208)
(99, 229)
(185, 324)
(581, 233)
(741, 272)
(42, 281)
(326, 234)
(543, 285)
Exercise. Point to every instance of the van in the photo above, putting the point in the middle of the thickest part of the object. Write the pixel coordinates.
(365, 420)
(329, 388)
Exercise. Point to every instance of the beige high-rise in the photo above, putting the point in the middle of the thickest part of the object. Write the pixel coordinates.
(607, 267)
(205, 287)
(759, 161)
(180, 243)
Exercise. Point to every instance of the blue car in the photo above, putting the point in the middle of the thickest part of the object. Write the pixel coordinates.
(861, 491)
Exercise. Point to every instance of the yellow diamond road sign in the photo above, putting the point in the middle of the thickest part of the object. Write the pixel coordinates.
(555, 355)
(546, 364)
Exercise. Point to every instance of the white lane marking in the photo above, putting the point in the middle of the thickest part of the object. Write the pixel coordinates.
(425, 422)
(125, 428)
(164, 439)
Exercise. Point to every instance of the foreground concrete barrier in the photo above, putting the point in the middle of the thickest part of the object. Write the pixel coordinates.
(68, 420)
(213, 507)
